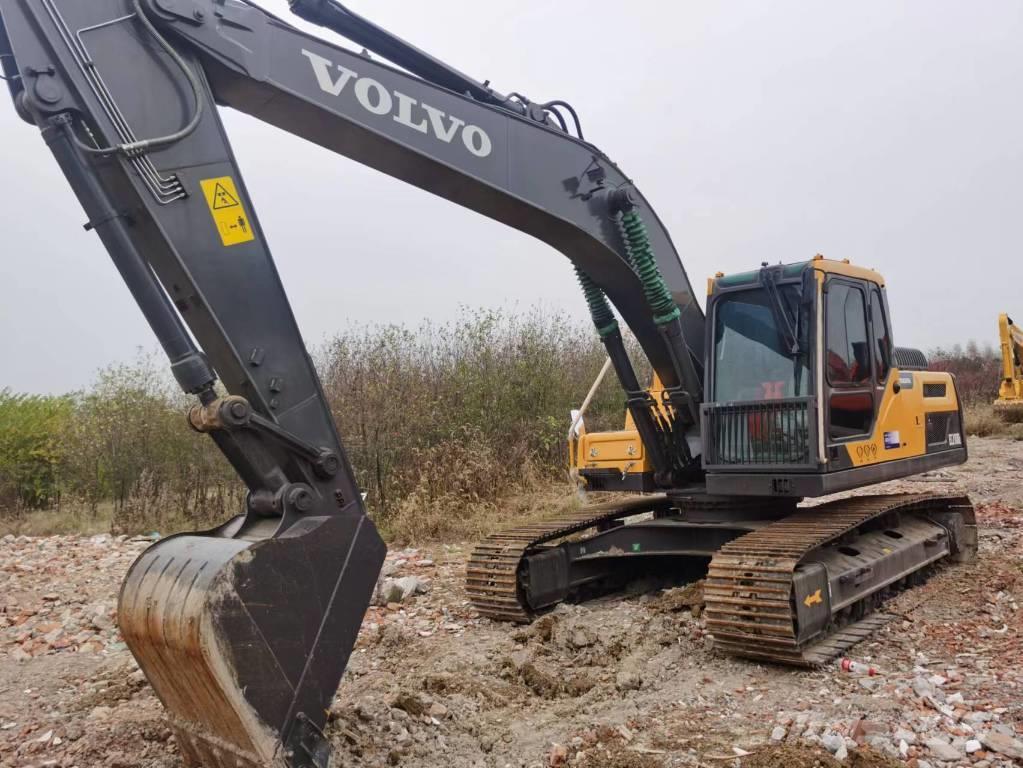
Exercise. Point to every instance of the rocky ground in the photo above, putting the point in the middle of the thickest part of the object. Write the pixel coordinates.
(627, 682)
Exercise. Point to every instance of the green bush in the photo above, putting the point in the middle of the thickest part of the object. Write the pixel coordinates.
(31, 451)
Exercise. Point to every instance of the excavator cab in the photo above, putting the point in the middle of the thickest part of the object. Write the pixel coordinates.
(806, 393)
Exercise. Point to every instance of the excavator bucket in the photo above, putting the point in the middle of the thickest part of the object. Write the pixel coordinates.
(245, 641)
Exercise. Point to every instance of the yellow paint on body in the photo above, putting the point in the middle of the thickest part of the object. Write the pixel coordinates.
(902, 417)
(845, 269)
(621, 450)
(226, 208)
(813, 599)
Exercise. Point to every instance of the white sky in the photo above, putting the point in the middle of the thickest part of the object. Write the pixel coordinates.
(890, 133)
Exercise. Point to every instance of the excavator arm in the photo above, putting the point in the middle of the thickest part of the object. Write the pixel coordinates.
(1010, 389)
(245, 631)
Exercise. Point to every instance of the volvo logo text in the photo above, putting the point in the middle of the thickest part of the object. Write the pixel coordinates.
(377, 100)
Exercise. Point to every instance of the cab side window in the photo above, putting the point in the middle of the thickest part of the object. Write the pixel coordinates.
(848, 353)
(882, 339)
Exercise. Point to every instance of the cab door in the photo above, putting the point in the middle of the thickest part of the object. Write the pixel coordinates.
(849, 377)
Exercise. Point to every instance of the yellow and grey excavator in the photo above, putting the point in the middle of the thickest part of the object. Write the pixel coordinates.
(805, 395)
(788, 388)
(1009, 404)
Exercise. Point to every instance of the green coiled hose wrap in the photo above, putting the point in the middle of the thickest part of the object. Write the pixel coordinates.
(641, 254)
(600, 309)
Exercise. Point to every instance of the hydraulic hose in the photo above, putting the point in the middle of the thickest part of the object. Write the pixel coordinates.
(638, 400)
(666, 314)
(600, 309)
(641, 254)
(136, 148)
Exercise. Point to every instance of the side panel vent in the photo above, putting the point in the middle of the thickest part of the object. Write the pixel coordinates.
(935, 389)
(943, 431)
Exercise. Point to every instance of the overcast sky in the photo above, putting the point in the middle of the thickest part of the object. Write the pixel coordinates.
(890, 133)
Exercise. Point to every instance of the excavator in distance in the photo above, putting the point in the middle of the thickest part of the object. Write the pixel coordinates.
(1009, 404)
(790, 387)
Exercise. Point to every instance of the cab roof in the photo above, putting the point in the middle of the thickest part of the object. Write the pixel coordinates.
(818, 262)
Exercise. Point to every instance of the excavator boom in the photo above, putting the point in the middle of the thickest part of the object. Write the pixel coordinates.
(244, 631)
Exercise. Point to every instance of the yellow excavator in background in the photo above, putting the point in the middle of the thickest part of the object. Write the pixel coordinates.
(1009, 404)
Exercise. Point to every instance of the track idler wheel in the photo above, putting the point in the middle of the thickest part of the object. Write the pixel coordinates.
(245, 641)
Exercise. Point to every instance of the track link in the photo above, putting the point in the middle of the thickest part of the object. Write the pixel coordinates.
(492, 574)
(749, 588)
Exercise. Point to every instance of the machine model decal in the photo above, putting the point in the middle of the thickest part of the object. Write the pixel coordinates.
(955, 439)
(892, 440)
(226, 209)
(377, 100)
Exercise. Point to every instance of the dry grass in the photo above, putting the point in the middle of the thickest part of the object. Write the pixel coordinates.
(981, 420)
(441, 423)
(1011, 413)
(67, 519)
(419, 520)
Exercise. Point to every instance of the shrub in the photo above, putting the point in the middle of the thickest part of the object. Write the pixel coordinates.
(438, 420)
(977, 370)
(31, 427)
(472, 409)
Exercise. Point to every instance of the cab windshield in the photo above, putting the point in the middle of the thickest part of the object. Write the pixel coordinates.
(751, 361)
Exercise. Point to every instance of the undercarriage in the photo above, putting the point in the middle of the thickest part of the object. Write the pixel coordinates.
(791, 584)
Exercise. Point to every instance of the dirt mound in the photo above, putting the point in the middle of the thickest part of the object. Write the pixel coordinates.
(617, 756)
(552, 685)
(689, 597)
(795, 756)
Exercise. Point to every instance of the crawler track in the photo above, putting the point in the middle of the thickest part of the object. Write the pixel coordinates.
(749, 589)
(492, 575)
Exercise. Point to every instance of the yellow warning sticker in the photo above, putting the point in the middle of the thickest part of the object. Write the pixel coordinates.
(226, 209)
(813, 599)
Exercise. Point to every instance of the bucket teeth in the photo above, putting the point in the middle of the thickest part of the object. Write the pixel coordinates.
(245, 642)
